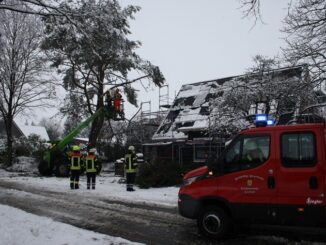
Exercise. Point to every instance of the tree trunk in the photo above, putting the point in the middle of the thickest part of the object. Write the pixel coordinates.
(97, 124)
(8, 123)
(95, 131)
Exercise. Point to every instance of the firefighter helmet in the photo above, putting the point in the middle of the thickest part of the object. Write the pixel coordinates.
(131, 148)
(76, 148)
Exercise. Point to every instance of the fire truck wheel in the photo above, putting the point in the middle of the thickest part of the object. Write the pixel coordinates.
(214, 222)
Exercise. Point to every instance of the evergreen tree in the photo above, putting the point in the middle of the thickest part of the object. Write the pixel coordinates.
(95, 54)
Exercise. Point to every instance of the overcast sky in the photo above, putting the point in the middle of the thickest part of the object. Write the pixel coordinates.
(198, 40)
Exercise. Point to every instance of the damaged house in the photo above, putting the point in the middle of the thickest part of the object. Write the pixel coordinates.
(184, 136)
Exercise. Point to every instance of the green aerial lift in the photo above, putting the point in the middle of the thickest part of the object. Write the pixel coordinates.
(55, 160)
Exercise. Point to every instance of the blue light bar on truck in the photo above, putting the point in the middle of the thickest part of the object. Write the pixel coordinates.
(270, 122)
(261, 120)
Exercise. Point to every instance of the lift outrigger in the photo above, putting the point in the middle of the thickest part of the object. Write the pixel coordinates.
(55, 160)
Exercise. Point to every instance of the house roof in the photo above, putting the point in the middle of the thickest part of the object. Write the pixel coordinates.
(38, 130)
(20, 130)
(15, 129)
(190, 110)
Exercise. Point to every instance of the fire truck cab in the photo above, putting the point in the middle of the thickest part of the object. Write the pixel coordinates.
(271, 175)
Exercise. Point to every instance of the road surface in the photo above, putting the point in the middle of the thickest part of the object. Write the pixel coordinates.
(140, 223)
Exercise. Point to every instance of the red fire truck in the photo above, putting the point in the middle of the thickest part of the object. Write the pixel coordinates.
(271, 175)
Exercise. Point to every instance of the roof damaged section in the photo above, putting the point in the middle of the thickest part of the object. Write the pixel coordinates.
(191, 110)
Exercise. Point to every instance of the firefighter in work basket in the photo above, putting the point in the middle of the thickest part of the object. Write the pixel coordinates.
(75, 166)
(91, 168)
(130, 167)
(118, 106)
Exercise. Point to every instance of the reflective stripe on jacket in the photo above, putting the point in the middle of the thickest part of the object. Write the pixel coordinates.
(90, 164)
(130, 162)
(75, 161)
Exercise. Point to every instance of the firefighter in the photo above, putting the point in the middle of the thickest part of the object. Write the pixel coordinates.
(117, 100)
(130, 167)
(108, 100)
(75, 165)
(91, 168)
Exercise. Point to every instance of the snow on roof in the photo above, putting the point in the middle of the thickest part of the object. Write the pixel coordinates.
(190, 111)
(38, 130)
(158, 143)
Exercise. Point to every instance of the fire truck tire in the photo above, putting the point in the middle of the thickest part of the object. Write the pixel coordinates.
(214, 222)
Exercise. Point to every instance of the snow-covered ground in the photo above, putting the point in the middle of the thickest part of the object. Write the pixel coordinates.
(19, 227)
(107, 185)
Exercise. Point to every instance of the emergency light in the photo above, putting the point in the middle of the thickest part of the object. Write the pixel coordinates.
(261, 120)
(270, 122)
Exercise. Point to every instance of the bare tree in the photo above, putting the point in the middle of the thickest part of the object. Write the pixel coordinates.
(21, 85)
(305, 27)
(266, 88)
(251, 8)
(37, 7)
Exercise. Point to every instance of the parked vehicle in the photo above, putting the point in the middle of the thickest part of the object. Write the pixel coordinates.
(270, 175)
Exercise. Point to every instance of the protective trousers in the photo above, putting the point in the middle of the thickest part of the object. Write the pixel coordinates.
(74, 179)
(91, 180)
(131, 177)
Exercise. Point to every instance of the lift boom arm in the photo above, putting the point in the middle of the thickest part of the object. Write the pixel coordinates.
(66, 140)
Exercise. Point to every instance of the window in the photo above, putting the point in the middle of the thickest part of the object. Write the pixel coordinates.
(298, 150)
(232, 157)
(201, 153)
(247, 152)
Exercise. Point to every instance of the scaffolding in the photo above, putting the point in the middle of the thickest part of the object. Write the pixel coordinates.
(164, 100)
(146, 110)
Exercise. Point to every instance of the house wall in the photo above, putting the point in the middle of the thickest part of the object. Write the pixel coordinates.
(187, 154)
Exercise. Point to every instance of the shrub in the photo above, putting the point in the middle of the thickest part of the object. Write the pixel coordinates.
(22, 150)
(159, 174)
(31, 146)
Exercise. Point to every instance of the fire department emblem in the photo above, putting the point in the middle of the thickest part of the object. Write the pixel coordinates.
(249, 182)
